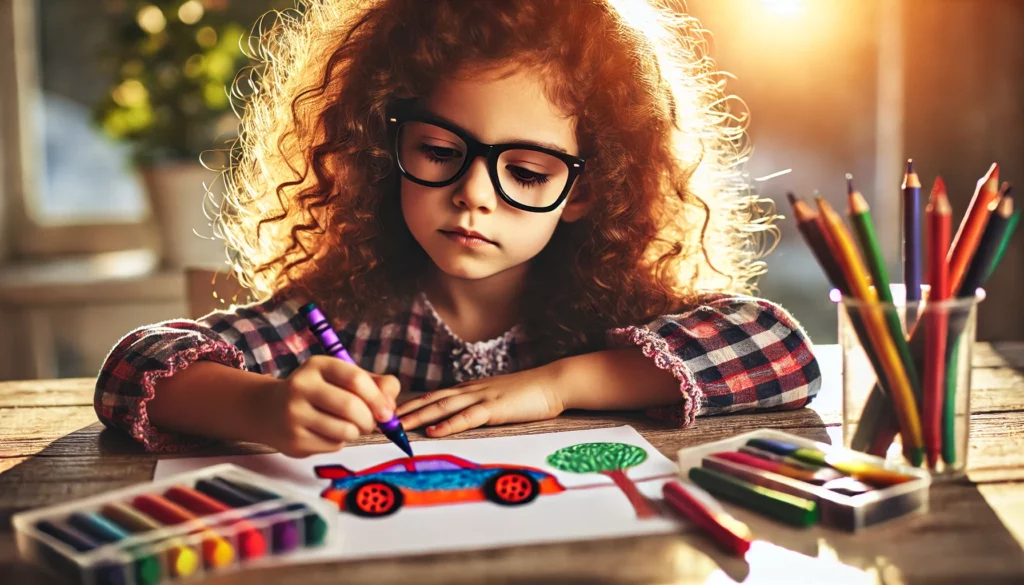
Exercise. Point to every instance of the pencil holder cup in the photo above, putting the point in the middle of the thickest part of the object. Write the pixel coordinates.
(907, 379)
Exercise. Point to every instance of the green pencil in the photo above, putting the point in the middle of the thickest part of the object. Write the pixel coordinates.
(860, 217)
(1004, 243)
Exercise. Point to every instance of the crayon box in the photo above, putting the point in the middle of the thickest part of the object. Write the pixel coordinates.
(182, 528)
(835, 507)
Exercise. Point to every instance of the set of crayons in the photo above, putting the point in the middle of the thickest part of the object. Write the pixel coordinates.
(916, 393)
(185, 527)
(802, 483)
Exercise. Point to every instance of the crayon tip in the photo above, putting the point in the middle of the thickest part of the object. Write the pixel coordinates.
(849, 184)
(939, 186)
(791, 196)
(910, 166)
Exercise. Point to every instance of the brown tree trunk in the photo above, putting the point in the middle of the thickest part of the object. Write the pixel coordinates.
(640, 503)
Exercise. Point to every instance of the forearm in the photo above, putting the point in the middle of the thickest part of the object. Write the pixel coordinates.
(210, 400)
(614, 379)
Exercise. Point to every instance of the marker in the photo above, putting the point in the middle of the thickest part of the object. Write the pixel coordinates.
(855, 469)
(181, 559)
(778, 505)
(250, 539)
(217, 552)
(392, 429)
(285, 534)
(147, 567)
(107, 572)
(316, 527)
(728, 532)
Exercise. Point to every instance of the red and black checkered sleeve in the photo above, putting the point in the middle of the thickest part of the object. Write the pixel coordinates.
(732, 353)
(266, 338)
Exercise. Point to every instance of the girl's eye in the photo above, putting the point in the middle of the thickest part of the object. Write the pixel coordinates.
(525, 177)
(440, 154)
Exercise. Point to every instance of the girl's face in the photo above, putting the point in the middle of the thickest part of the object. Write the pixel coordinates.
(466, 228)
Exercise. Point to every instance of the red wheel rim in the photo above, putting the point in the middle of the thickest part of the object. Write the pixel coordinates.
(375, 498)
(513, 488)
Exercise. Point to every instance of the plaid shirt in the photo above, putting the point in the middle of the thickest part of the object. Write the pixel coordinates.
(731, 354)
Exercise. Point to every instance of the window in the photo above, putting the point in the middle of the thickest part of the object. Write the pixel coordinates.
(67, 188)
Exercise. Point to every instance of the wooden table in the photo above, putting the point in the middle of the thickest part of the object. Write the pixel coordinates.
(52, 450)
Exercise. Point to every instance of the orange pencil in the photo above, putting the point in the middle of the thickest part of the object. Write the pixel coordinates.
(983, 203)
(938, 214)
(857, 277)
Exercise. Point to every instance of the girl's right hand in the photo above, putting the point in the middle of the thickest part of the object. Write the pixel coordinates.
(324, 404)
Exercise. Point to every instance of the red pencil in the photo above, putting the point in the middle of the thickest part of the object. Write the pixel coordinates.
(939, 228)
(983, 203)
(731, 534)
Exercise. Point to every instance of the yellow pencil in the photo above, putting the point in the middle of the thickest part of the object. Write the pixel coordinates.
(857, 278)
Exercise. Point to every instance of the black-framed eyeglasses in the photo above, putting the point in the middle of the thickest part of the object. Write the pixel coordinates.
(434, 153)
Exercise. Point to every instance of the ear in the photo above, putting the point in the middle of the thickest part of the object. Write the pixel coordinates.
(577, 205)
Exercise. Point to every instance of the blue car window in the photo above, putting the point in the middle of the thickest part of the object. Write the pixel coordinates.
(396, 468)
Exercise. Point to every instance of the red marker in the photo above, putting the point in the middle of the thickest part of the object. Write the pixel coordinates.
(731, 534)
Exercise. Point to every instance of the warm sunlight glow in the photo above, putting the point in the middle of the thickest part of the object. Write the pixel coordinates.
(784, 7)
(151, 19)
(190, 12)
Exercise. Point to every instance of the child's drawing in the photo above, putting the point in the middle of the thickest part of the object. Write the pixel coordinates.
(432, 480)
(610, 459)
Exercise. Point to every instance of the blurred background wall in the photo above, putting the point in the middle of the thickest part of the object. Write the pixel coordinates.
(104, 102)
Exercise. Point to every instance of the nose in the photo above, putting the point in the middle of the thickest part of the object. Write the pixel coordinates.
(475, 190)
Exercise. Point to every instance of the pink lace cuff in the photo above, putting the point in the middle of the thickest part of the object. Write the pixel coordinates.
(655, 347)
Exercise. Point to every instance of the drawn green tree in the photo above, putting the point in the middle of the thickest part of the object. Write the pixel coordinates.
(609, 459)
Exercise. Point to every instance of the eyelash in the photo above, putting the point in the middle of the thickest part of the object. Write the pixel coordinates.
(431, 153)
(535, 180)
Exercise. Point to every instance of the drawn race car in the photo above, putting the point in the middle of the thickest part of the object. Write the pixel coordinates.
(430, 480)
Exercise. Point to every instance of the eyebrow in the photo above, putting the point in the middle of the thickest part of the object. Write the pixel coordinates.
(549, 145)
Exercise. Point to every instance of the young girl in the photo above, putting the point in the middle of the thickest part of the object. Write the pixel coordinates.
(506, 209)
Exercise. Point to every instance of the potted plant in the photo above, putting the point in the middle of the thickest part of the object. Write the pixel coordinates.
(175, 61)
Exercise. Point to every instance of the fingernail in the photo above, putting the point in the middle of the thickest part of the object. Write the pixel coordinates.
(385, 415)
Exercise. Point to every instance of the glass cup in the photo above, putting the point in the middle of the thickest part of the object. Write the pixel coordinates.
(908, 400)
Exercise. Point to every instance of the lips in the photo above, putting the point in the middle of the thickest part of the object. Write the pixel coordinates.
(468, 234)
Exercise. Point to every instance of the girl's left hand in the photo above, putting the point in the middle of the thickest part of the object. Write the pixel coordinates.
(524, 396)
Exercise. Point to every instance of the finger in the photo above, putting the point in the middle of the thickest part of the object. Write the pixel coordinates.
(471, 418)
(333, 429)
(421, 401)
(390, 386)
(343, 405)
(439, 410)
(360, 383)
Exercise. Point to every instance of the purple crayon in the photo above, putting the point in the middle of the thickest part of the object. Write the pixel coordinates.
(332, 345)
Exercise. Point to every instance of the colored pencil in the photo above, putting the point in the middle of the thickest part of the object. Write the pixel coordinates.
(988, 247)
(864, 228)
(936, 317)
(1007, 236)
(911, 240)
(729, 533)
(983, 203)
(903, 396)
(813, 230)
(986, 258)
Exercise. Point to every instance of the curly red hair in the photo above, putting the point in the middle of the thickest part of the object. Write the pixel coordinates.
(312, 201)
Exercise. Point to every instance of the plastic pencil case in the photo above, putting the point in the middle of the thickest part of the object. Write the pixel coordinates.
(275, 525)
(836, 510)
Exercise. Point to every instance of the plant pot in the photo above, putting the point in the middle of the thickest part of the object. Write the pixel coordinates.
(178, 196)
